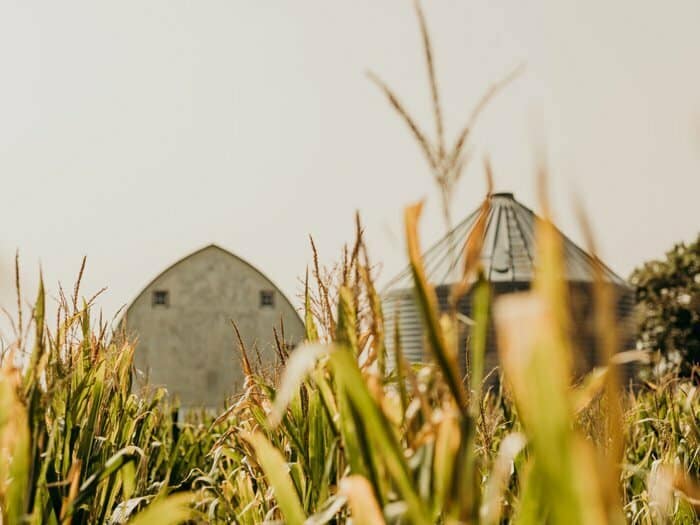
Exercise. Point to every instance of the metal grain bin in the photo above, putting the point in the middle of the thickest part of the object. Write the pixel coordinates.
(508, 258)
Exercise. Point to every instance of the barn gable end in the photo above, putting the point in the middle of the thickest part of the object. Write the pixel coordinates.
(182, 323)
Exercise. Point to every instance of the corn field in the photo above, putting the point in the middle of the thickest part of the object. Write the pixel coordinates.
(343, 432)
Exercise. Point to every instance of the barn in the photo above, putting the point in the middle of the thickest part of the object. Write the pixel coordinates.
(508, 258)
(182, 323)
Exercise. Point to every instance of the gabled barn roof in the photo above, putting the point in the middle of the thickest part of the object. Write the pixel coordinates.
(508, 252)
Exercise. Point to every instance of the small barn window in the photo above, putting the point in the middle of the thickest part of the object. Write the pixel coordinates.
(161, 298)
(267, 298)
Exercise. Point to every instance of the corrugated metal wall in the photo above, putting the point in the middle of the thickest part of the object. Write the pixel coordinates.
(401, 305)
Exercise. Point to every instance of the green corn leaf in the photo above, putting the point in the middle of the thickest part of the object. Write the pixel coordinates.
(33, 372)
(481, 299)
(379, 432)
(401, 372)
(14, 450)
(111, 466)
(346, 331)
(444, 456)
(365, 509)
(376, 320)
(128, 478)
(491, 507)
(354, 452)
(276, 471)
(327, 396)
(301, 361)
(309, 323)
(171, 510)
(427, 303)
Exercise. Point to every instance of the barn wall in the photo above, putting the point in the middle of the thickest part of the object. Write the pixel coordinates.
(188, 345)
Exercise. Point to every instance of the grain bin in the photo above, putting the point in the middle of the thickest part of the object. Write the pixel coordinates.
(508, 258)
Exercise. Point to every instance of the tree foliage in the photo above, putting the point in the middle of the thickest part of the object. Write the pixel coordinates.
(668, 300)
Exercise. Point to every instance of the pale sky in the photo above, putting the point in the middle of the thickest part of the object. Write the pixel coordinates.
(135, 132)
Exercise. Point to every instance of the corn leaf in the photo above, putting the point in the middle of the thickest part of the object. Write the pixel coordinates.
(277, 473)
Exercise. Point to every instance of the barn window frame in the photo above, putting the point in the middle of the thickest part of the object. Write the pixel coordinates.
(267, 298)
(160, 298)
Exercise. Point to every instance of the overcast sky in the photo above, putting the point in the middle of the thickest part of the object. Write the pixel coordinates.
(135, 132)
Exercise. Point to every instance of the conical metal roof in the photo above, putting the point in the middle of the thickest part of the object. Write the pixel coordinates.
(508, 253)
